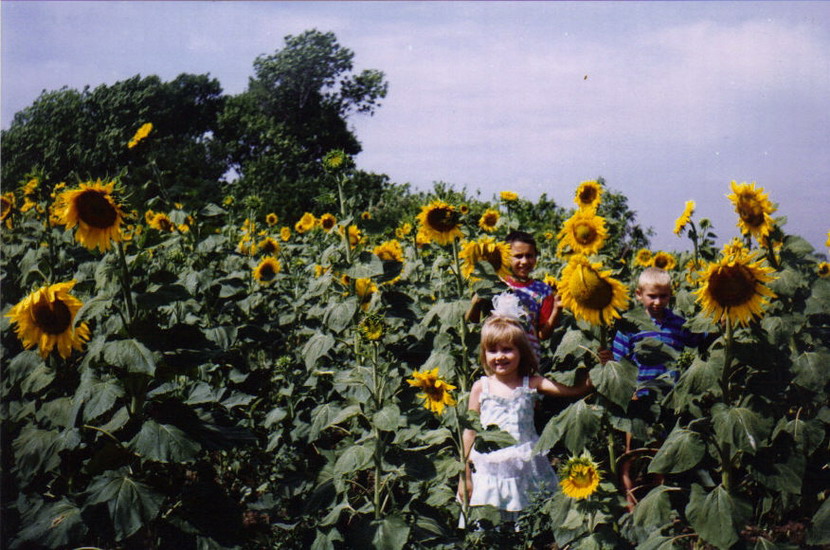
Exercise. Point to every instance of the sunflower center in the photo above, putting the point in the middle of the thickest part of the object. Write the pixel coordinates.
(732, 285)
(434, 392)
(585, 233)
(751, 212)
(582, 476)
(490, 219)
(96, 210)
(442, 219)
(591, 290)
(269, 247)
(267, 272)
(588, 195)
(7, 206)
(52, 318)
(661, 262)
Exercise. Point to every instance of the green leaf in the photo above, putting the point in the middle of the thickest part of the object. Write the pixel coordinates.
(96, 396)
(344, 414)
(37, 379)
(224, 336)
(131, 355)
(35, 451)
(741, 427)
(368, 265)
(353, 459)
(713, 516)
(164, 443)
(616, 381)
(811, 370)
(339, 315)
(21, 365)
(131, 504)
(578, 423)
(657, 541)
(316, 347)
(682, 451)
(701, 378)
(56, 524)
(654, 509)
(390, 533)
(388, 418)
(819, 532)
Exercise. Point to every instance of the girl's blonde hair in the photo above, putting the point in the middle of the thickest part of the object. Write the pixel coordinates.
(498, 330)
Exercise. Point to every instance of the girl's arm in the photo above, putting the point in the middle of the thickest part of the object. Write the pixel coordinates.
(468, 438)
(551, 387)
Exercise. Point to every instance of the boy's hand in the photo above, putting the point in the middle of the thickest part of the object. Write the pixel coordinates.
(605, 355)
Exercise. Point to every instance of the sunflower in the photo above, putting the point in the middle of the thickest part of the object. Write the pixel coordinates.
(31, 186)
(684, 218)
(389, 251)
(823, 270)
(485, 250)
(827, 244)
(488, 220)
(734, 248)
(664, 261)
(94, 210)
(267, 270)
(246, 246)
(306, 223)
(320, 270)
(403, 230)
(365, 288)
(439, 223)
(509, 196)
(734, 288)
(8, 201)
(162, 222)
(584, 233)
(140, 134)
(643, 257)
(327, 222)
(269, 246)
(271, 219)
(588, 195)
(285, 233)
(372, 328)
(46, 317)
(436, 391)
(590, 293)
(579, 476)
(753, 208)
(336, 160)
(366, 215)
(551, 281)
(354, 235)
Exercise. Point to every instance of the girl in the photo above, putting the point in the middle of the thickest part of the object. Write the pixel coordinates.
(505, 397)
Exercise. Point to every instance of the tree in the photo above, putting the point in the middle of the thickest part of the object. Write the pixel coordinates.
(294, 111)
(79, 135)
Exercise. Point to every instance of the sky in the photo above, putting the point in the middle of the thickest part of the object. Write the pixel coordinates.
(667, 101)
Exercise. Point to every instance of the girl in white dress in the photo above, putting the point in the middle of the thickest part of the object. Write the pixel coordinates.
(504, 478)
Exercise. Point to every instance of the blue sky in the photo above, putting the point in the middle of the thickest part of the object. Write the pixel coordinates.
(668, 101)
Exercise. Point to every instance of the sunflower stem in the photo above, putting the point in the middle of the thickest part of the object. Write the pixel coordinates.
(459, 441)
(342, 198)
(459, 282)
(377, 391)
(125, 282)
(727, 363)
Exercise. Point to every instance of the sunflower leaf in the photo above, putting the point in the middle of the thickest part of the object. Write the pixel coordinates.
(654, 509)
(742, 428)
(682, 451)
(714, 515)
(131, 504)
(616, 381)
(164, 443)
(131, 355)
(577, 424)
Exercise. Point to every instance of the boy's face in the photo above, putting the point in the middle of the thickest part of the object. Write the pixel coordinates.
(655, 298)
(522, 259)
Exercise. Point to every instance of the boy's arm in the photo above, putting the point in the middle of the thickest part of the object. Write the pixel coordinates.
(546, 328)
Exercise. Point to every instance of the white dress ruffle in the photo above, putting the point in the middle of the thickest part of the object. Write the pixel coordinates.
(505, 478)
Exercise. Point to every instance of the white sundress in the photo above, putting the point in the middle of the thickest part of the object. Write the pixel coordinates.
(504, 478)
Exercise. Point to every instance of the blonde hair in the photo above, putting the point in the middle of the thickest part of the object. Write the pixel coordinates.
(654, 276)
(498, 330)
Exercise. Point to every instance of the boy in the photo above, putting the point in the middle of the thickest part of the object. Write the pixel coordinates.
(654, 291)
(543, 305)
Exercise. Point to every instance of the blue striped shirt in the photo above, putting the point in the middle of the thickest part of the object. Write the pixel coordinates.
(669, 331)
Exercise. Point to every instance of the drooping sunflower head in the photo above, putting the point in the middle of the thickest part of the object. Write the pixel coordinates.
(439, 222)
(389, 251)
(271, 219)
(583, 233)
(509, 196)
(95, 211)
(823, 270)
(753, 208)
(643, 257)
(681, 222)
(46, 319)
(269, 246)
(372, 328)
(590, 293)
(267, 270)
(285, 233)
(488, 220)
(664, 260)
(142, 132)
(734, 289)
(306, 223)
(7, 200)
(327, 222)
(588, 195)
(435, 391)
(337, 160)
(579, 476)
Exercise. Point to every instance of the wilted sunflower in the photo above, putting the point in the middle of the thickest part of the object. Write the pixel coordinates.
(140, 134)
(579, 476)
(489, 219)
(584, 233)
(162, 222)
(285, 233)
(487, 249)
(269, 246)
(94, 210)
(734, 288)
(685, 217)
(643, 257)
(509, 196)
(46, 317)
(372, 328)
(327, 222)
(271, 219)
(588, 195)
(389, 251)
(590, 293)
(306, 223)
(267, 270)
(436, 391)
(439, 222)
(664, 260)
(8, 201)
(823, 269)
(753, 209)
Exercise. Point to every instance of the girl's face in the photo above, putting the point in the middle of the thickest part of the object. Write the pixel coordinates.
(502, 358)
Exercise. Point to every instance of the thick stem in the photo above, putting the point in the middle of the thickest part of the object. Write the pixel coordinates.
(727, 363)
(378, 454)
(346, 244)
(125, 282)
(459, 283)
(459, 439)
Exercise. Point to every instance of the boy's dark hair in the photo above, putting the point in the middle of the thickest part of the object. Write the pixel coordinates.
(522, 237)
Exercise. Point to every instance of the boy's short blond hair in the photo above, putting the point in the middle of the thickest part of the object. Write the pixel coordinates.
(654, 276)
(497, 330)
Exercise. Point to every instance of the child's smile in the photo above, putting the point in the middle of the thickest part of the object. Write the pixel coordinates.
(503, 359)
